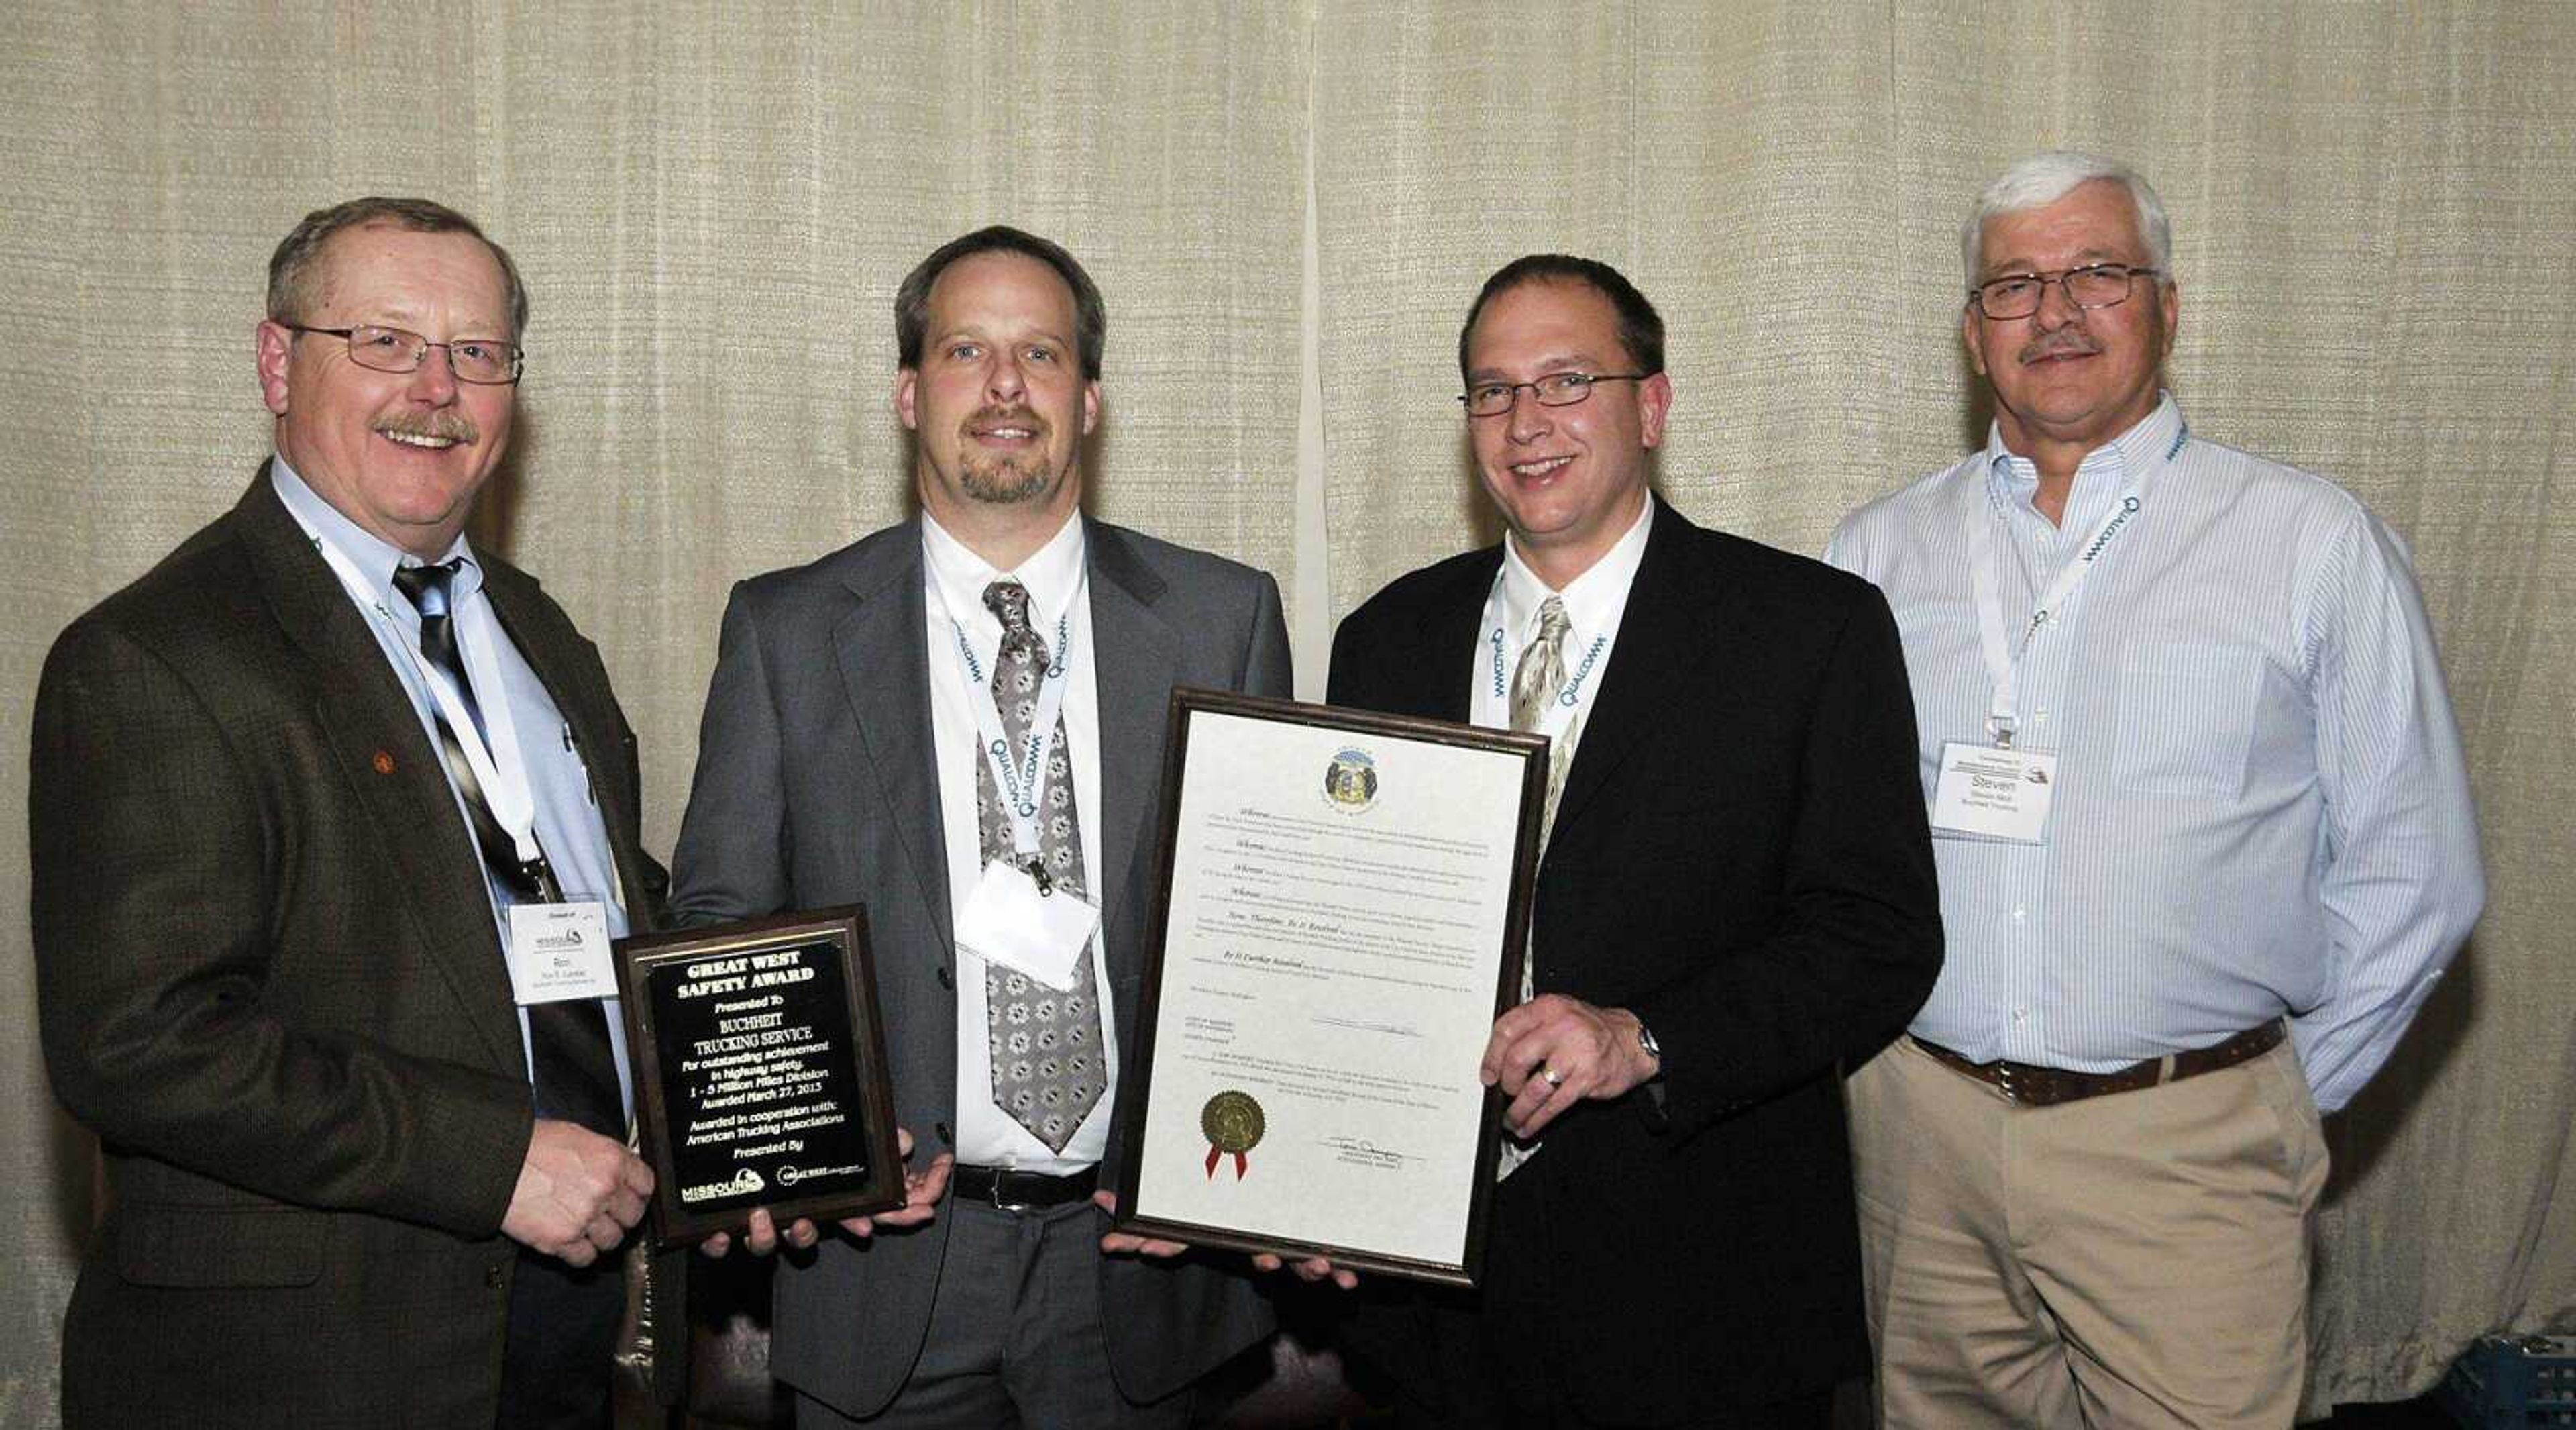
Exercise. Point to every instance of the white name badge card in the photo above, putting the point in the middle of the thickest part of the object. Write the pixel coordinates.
(1994, 791)
(1008, 920)
(560, 951)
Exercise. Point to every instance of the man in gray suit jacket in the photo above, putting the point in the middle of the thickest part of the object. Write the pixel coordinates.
(350, 1183)
(958, 722)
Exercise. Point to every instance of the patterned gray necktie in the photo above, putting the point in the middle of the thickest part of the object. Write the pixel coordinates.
(1535, 682)
(1044, 1045)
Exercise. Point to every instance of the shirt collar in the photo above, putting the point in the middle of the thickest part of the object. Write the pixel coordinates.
(2104, 472)
(1593, 600)
(372, 556)
(1053, 573)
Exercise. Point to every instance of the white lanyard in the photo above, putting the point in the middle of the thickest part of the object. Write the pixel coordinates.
(499, 769)
(1557, 715)
(2003, 715)
(1021, 780)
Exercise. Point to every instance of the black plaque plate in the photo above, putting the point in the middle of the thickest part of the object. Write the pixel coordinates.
(759, 1066)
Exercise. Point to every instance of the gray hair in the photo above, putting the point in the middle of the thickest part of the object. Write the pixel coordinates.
(2043, 179)
(294, 270)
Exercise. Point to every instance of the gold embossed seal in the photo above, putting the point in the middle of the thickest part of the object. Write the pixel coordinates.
(1232, 1122)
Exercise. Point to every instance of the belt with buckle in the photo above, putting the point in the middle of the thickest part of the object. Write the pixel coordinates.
(1017, 1191)
(2034, 1086)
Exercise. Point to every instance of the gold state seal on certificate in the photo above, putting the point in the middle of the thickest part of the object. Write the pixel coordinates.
(1232, 1122)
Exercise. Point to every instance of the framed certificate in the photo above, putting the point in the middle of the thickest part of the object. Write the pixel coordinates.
(1342, 909)
(759, 1069)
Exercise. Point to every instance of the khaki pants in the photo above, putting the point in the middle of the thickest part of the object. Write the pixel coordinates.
(2139, 1259)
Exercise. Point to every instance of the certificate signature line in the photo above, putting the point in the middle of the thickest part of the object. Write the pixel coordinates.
(1442, 957)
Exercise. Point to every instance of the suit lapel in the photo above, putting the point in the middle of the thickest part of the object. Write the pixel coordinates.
(1451, 659)
(1138, 661)
(1656, 635)
(563, 663)
(386, 759)
(885, 670)
(1441, 656)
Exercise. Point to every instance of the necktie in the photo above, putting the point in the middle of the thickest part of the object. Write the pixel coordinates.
(575, 1069)
(1535, 682)
(1044, 1045)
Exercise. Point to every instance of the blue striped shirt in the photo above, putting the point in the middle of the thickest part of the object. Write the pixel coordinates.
(2261, 806)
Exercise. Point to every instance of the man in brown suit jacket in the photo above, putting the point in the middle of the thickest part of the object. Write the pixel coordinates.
(350, 1182)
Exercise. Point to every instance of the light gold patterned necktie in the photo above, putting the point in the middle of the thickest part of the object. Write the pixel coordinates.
(1535, 682)
(1540, 676)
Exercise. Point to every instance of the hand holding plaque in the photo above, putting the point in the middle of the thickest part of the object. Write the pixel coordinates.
(922, 1192)
(759, 1069)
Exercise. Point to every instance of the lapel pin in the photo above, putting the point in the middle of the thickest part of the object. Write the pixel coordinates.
(384, 762)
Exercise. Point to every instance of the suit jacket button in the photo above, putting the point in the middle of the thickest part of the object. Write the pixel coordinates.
(947, 978)
(496, 1277)
(942, 1129)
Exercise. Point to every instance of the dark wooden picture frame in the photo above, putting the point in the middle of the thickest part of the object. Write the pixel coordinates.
(859, 1124)
(1136, 1082)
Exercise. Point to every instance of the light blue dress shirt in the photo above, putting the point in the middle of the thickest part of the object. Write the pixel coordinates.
(569, 824)
(2261, 806)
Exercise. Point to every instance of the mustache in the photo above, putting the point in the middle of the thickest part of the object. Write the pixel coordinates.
(446, 426)
(1016, 416)
(2061, 343)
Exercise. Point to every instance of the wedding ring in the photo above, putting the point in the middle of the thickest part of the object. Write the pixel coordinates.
(1554, 1078)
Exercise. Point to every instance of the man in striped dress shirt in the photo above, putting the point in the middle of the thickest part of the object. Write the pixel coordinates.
(2205, 843)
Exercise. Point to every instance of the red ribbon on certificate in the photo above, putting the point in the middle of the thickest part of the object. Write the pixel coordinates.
(1232, 1123)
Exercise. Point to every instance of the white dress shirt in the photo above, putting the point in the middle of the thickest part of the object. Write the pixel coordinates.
(1055, 577)
(1595, 602)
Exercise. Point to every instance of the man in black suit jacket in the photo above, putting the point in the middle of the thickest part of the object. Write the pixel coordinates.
(1735, 898)
(269, 942)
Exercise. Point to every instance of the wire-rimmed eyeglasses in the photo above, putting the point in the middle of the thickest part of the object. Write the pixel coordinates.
(480, 360)
(2095, 285)
(1556, 389)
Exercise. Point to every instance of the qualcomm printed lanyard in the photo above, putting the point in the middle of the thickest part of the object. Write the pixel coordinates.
(2003, 660)
(1020, 775)
(500, 768)
(1559, 712)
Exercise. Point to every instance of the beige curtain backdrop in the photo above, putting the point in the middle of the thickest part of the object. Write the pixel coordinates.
(1288, 206)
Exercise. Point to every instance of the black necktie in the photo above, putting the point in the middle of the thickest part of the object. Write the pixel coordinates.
(575, 1068)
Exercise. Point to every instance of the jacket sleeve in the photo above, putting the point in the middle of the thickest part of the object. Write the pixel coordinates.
(1266, 667)
(732, 859)
(1857, 943)
(156, 895)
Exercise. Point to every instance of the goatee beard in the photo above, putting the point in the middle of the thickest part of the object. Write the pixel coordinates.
(1003, 483)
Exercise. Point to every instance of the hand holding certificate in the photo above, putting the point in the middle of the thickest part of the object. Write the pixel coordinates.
(1344, 906)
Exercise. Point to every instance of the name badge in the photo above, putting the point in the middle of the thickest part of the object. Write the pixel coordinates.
(560, 951)
(1998, 793)
(1009, 921)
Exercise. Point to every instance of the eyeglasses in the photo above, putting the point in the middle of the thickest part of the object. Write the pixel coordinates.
(1557, 389)
(480, 360)
(2095, 285)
